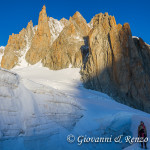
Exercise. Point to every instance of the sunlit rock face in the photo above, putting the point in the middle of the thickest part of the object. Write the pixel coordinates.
(117, 64)
(58, 44)
(16, 46)
(67, 48)
(64, 21)
(41, 40)
(32, 43)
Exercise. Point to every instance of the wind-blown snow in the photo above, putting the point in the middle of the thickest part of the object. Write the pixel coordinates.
(55, 28)
(135, 37)
(45, 106)
(2, 48)
(90, 24)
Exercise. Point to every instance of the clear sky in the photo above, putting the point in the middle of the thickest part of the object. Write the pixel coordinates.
(15, 14)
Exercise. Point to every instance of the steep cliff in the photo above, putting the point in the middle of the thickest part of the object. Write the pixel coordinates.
(17, 46)
(41, 40)
(117, 64)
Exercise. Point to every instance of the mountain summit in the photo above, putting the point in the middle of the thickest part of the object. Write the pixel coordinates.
(41, 40)
(117, 63)
(32, 43)
(69, 46)
(111, 60)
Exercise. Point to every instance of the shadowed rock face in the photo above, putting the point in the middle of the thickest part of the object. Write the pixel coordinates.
(67, 48)
(41, 40)
(117, 64)
(16, 46)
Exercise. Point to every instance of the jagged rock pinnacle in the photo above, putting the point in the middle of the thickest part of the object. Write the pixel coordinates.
(41, 41)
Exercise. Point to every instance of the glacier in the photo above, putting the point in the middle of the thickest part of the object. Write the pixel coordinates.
(39, 108)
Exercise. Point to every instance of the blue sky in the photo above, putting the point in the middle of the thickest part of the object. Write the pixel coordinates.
(15, 14)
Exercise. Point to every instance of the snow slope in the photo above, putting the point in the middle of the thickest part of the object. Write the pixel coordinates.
(43, 107)
(2, 48)
(39, 111)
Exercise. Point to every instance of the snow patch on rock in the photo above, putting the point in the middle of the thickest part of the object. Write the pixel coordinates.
(2, 48)
(55, 28)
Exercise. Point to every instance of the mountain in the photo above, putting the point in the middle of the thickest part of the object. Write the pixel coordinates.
(53, 79)
(41, 40)
(117, 63)
(21, 48)
(68, 48)
(111, 60)
(17, 46)
(51, 40)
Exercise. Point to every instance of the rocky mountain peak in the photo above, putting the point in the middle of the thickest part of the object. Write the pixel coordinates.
(43, 11)
(29, 33)
(64, 21)
(24, 46)
(104, 20)
(43, 22)
(116, 61)
(67, 48)
(79, 21)
(30, 25)
(77, 15)
(17, 46)
(112, 61)
(41, 40)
